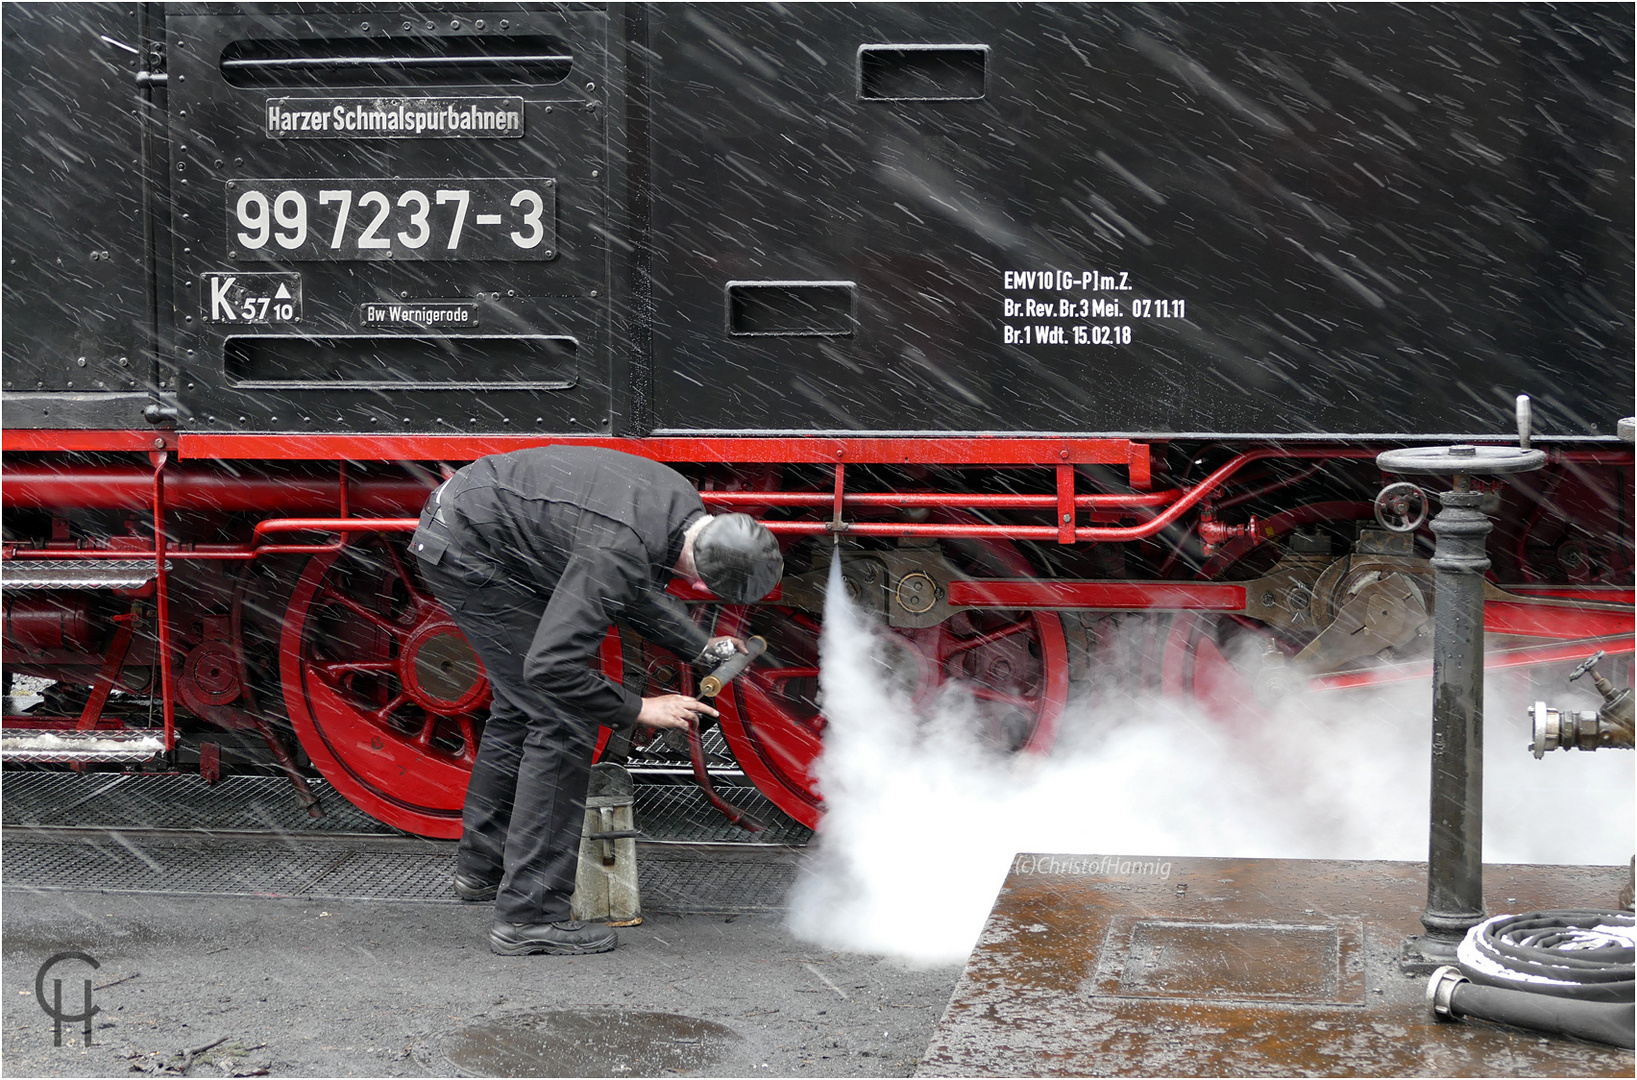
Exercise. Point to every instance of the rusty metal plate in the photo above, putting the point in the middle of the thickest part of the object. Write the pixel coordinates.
(1223, 967)
(1313, 963)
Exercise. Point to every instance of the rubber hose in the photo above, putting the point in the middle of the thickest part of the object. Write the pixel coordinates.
(1603, 1022)
(1574, 955)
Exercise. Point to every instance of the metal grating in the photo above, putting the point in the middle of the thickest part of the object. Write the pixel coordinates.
(41, 745)
(173, 801)
(674, 880)
(681, 812)
(18, 574)
(708, 886)
(667, 808)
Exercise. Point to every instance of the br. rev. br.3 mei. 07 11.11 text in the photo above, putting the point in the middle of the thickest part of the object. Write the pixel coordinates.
(1061, 307)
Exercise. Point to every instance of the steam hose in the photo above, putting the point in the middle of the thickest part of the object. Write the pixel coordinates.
(1565, 972)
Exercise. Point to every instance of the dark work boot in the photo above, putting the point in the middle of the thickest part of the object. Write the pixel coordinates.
(566, 938)
(473, 890)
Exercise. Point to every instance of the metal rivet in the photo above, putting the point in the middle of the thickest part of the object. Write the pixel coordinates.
(590, 86)
(1067, 518)
(454, 24)
(80, 361)
(478, 24)
(505, 24)
(364, 26)
(159, 444)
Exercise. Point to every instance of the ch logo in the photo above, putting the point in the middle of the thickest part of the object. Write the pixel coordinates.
(54, 1008)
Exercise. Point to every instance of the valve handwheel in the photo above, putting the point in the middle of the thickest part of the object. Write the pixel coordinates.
(1401, 507)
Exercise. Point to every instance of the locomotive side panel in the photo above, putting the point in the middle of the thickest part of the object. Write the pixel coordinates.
(76, 282)
(390, 223)
(1316, 224)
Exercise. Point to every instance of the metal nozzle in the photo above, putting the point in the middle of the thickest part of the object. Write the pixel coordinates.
(712, 684)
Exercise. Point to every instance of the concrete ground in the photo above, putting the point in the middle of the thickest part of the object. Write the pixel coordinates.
(297, 987)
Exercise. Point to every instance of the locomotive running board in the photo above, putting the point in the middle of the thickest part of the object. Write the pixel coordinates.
(1109, 965)
(45, 745)
(16, 575)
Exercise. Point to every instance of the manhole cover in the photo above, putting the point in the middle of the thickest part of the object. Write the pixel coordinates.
(588, 1042)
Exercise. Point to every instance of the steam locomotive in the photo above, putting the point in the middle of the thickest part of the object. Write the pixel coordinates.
(1077, 329)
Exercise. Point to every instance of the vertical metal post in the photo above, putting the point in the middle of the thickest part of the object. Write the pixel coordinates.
(1455, 852)
(1455, 882)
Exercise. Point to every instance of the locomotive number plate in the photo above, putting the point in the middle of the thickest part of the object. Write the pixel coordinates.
(502, 220)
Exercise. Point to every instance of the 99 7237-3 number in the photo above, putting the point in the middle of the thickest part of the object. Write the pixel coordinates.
(512, 219)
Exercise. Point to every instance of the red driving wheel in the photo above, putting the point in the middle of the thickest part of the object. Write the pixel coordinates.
(1014, 662)
(386, 696)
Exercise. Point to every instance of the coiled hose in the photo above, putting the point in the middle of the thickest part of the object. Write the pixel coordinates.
(1565, 972)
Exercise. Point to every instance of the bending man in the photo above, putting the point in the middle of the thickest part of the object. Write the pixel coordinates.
(535, 553)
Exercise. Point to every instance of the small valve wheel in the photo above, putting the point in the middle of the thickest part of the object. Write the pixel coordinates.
(1401, 507)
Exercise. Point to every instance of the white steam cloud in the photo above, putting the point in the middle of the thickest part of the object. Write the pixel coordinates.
(923, 821)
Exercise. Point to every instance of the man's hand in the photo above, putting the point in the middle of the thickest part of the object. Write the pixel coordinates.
(672, 711)
(715, 650)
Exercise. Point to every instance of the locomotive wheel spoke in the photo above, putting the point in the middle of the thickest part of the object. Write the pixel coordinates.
(380, 716)
(468, 738)
(410, 584)
(375, 617)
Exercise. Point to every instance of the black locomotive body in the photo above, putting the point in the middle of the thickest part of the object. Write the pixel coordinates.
(1054, 314)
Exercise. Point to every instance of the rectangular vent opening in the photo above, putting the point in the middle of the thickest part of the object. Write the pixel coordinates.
(792, 308)
(400, 362)
(923, 72)
(396, 62)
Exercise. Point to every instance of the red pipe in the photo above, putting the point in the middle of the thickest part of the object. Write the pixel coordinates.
(340, 525)
(939, 499)
(118, 487)
(1495, 660)
(1115, 595)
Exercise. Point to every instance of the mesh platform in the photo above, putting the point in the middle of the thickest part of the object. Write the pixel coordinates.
(673, 879)
(135, 801)
(669, 806)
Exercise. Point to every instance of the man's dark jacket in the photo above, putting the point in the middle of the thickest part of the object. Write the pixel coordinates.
(597, 531)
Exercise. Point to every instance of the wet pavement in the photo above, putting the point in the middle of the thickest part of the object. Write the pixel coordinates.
(1100, 966)
(242, 985)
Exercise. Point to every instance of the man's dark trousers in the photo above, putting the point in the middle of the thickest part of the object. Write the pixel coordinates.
(531, 755)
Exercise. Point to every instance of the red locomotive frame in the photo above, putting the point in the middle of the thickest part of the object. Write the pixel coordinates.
(401, 753)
